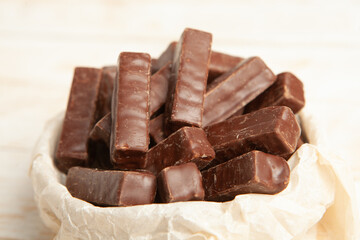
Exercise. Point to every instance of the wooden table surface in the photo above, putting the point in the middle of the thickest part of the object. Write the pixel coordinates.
(42, 41)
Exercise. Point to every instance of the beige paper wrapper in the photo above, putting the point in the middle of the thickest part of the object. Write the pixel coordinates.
(317, 204)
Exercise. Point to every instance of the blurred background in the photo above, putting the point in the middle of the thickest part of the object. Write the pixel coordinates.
(42, 41)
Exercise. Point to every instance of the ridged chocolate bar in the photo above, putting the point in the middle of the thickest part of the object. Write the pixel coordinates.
(188, 80)
(273, 130)
(159, 84)
(220, 63)
(188, 144)
(286, 91)
(180, 183)
(253, 172)
(111, 188)
(129, 140)
(233, 90)
(80, 117)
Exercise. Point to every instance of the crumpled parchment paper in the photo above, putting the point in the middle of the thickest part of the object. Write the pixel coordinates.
(317, 204)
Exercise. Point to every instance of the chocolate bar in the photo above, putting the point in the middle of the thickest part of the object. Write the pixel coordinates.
(108, 76)
(159, 84)
(102, 130)
(166, 57)
(233, 90)
(273, 130)
(180, 183)
(188, 81)
(80, 117)
(129, 140)
(220, 63)
(287, 90)
(156, 128)
(111, 188)
(253, 172)
(188, 144)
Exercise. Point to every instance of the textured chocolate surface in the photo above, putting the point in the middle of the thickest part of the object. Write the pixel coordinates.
(233, 90)
(165, 57)
(220, 63)
(156, 128)
(102, 130)
(287, 91)
(253, 172)
(79, 119)
(108, 76)
(188, 144)
(111, 188)
(273, 130)
(188, 80)
(130, 111)
(180, 183)
(159, 84)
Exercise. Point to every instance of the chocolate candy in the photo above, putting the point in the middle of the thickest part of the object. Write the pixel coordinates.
(220, 63)
(273, 130)
(165, 57)
(286, 91)
(159, 84)
(108, 76)
(180, 183)
(188, 144)
(233, 90)
(80, 117)
(130, 111)
(111, 188)
(188, 81)
(102, 130)
(253, 172)
(157, 128)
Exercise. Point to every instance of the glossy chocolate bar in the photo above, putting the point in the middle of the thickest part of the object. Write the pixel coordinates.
(273, 130)
(102, 130)
(287, 90)
(233, 90)
(253, 172)
(220, 63)
(188, 81)
(108, 76)
(80, 117)
(111, 188)
(188, 144)
(166, 57)
(129, 140)
(180, 183)
(159, 84)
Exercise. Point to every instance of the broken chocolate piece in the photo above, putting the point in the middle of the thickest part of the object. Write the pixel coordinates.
(286, 91)
(273, 130)
(180, 183)
(159, 84)
(79, 119)
(188, 144)
(111, 188)
(220, 63)
(188, 80)
(156, 128)
(129, 140)
(253, 172)
(108, 76)
(233, 90)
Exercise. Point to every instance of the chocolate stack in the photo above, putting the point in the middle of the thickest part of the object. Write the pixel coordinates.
(194, 124)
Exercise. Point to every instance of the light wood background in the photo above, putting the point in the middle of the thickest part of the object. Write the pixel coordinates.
(42, 41)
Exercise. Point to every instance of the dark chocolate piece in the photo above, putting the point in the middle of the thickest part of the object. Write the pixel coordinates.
(188, 144)
(102, 130)
(79, 119)
(159, 84)
(165, 57)
(220, 63)
(273, 130)
(111, 188)
(233, 90)
(298, 145)
(286, 91)
(253, 172)
(156, 128)
(180, 183)
(108, 76)
(129, 140)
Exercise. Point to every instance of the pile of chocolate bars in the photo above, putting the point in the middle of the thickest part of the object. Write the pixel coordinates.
(194, 124)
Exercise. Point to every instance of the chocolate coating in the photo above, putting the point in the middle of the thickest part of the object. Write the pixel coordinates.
(220, 63)
(180, 183)
(102, 130)
(80, 117)
(130, 111)
(287, 90)
(156, 128)
(111, 188)
(108, 76)
(233, 90)
(188, 80)
(165, 57)
(273, 130)
(253, 172)
(188, 144)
